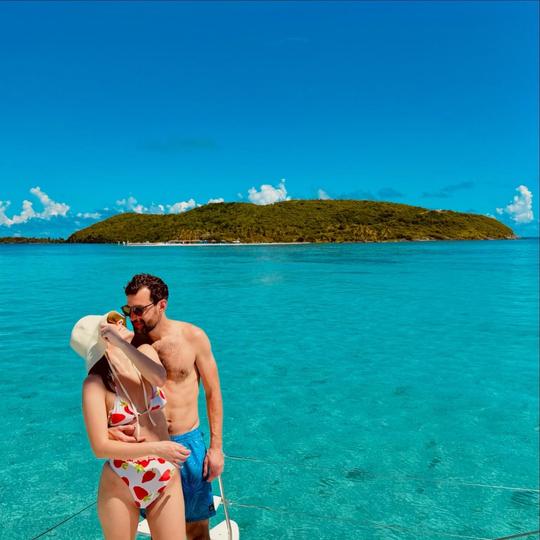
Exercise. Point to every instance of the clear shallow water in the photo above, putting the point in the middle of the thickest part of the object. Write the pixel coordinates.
(379, 391)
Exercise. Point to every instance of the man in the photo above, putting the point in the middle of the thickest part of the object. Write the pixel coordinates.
(185, 352)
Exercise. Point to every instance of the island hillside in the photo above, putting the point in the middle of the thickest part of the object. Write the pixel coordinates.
(296, 221)
(29, 240)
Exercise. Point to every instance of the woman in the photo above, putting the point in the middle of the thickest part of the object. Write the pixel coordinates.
(136, 475)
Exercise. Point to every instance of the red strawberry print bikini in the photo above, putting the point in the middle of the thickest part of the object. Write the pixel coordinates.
(146, 478)
(122, 412)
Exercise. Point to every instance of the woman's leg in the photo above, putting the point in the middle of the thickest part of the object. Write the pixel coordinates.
(166, 515)
(117, 512)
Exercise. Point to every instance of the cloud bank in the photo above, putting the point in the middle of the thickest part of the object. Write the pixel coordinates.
(89, 215)
(130, 204)
(183, 206)
(322, 195)
(268, 194)
(60, 220)
(50, 209)
(520, 209)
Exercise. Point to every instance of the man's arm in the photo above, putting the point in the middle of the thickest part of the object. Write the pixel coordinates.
(95, 418)
(207, 367)
(145, 358)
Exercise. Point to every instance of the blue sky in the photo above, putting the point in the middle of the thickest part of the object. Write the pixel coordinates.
(159, 107)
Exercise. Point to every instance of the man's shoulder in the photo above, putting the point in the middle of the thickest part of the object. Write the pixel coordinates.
(187, 330)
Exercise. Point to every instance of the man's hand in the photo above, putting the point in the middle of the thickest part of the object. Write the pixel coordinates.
(213, 464)
(124, 434)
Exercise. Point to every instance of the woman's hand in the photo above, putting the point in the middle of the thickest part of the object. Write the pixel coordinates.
(171, 451)
(116, 334)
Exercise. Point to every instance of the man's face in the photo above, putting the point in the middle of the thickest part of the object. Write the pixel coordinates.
(152, 313)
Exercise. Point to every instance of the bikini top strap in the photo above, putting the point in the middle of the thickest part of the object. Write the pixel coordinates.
(131, 402)
(126, 394)
(146, 404)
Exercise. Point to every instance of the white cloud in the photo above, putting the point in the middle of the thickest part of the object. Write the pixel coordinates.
(215, 201)
(321, 194)
(50, 209)
(240, 196)
(27, 213)
(130, 205)
(4, 220)
(180, 207)
(89, 215)
(156, 209)
(520, 209)
(268, 194)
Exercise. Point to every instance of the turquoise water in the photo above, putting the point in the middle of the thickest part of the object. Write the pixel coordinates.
(372, 391)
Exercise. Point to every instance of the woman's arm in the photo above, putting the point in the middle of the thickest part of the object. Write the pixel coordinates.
(145, 358)
(95, 418)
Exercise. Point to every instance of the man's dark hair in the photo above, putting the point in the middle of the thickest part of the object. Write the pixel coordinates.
(157, 287)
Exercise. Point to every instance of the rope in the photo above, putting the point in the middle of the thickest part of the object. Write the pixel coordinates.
(366, 524)
(64, 521)
(377, 525)
(520, 535)
(511, 488)
(406, 478)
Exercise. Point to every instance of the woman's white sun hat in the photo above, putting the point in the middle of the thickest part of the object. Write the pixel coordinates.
(86, 338)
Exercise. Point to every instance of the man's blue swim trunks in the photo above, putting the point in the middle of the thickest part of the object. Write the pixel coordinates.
(198, 498)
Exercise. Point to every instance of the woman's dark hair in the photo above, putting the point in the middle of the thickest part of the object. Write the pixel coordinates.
(102, 368)
(157, 287)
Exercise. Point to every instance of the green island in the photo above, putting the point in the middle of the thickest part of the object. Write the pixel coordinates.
(29, 240)
(295, 221)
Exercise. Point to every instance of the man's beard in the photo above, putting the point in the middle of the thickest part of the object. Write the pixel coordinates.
(146, 328)
(143, 330)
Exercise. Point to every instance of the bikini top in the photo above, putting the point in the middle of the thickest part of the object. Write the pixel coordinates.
(123, 412)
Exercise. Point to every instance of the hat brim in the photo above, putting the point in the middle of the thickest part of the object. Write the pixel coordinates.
(86, 339)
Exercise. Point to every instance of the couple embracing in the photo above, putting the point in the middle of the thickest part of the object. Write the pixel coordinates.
(140, 406)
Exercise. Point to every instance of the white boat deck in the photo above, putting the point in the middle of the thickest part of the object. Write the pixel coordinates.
(219, 532)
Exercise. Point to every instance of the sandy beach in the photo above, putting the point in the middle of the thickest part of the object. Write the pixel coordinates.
(166, 244)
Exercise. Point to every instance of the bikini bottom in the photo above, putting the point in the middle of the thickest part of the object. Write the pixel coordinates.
(145, 478)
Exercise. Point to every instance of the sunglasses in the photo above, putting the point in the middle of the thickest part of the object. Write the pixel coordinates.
(136, 310)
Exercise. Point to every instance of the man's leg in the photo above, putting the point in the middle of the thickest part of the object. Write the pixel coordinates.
(198, 530)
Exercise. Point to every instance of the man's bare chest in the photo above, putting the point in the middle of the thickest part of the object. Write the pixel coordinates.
(178, 358)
